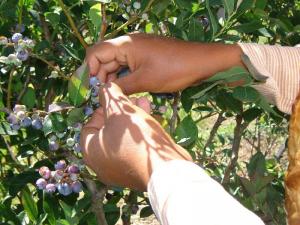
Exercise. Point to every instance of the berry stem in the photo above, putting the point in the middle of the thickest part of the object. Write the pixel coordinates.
(72, 23)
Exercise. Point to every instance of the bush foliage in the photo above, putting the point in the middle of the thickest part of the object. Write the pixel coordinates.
(44, 102)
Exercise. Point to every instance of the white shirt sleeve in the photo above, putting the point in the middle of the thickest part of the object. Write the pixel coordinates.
(181, 193)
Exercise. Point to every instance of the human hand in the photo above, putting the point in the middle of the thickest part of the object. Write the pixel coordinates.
(123, 144)
(159, 64)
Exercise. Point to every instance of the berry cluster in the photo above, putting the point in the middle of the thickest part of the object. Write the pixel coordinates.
(132, 9)
(22, 45)
(64, 179)
(19, 118)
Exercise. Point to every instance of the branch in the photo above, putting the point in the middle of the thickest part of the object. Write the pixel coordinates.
(24, 89)
(61, 74)
(238, 132)
(104, 22)
(175, 113)
(11, 74)
(72, 23)
(11, 152)
(213, 131)
(130, 21)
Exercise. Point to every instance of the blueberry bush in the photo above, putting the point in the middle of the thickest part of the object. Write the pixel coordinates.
(46, 96)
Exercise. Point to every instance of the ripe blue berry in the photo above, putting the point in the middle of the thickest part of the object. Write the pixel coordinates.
(12, 118)
(95, 91)
(15, 126)
(76, 186)
(20, 28)
(45, 172)
(64, 189)
(41, 183)
(88, 111)
(94, 81)
(50, 188)
(77, 148)
(16, 37)
(53, 145)
(77, 137)
(58, 175)
(37, 124)
(22, 55)
(73, 169)
(26, 122)
(60, 165)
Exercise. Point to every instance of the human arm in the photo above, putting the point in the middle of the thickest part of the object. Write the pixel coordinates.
(126, 147)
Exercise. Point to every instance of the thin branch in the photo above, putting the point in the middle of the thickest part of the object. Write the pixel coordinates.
(104, 23)
(130, 21)
(11, 152)
(72, 23)
(238, 132)
(11, 74)
(173, 119)
(24, 89)
(61, 74)
(213, 131)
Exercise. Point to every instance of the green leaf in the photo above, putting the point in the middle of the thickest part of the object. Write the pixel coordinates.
(231, 75)
(202, 92)
(262, 102)
(47, 209)
(244, 6)
(249, 27)
(1, 99)
(29, 97)
(58, 122)
(62, 222)
(184, 4)
(95, 15)
(246, 94)
(212, 19)
(68, 211)
(146, 212)
(251, 114)
(5, 129)
(196, 32)
(187, 132)
(47, 126)
(257, 165)
(229, 6)
(29, 205)
(227, 102)
(75, 116)
(53, 18)
(78, 86)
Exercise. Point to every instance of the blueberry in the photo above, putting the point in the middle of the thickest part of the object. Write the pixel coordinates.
(50, 188)
(73, 176)
(64, 189)
(21, 114)
(15, 126)
(16, 37)
(94, 81)
(77, 137)
(95, 91)
(76, 186)
(20, 28)
(137, 5)
(22, 55)
(77, 148)
(73, 169)
(45, 172)
(88, 110)
(26, 122)
(12, 119)
(37, 124)
(77, 127)
(58, 175)
(70, 142)
(41, 183)
(60, 165)
(18, 108)
(53, 145)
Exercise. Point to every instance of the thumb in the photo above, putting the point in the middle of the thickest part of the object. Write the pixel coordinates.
(132, 83)
(113, 101)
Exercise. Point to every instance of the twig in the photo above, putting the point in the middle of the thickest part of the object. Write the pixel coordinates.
(104, 22)
(24, 89)
(173, 119)
(11, 152)
(130, 21)
(72, 23)
(238, 132)
(11, 74)
(50, 65)
(213, 131)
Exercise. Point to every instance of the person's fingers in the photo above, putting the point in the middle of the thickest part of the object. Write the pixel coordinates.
(132, 83)
(113, 100)
(93, 64)
(111, 77)
(108, 69)
(97, 120)
(133, 100)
